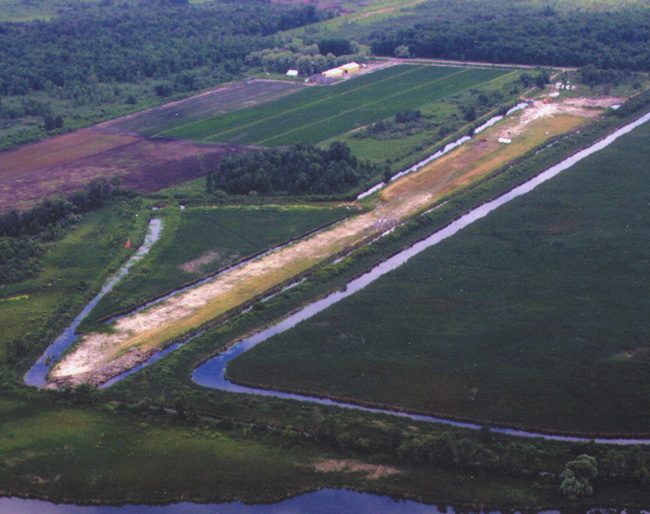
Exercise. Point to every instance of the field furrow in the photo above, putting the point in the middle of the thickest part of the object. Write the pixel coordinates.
(320, 113)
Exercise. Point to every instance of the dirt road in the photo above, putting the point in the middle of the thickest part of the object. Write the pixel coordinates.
(98, 357)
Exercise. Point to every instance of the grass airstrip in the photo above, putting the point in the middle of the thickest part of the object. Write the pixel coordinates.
(186, 312)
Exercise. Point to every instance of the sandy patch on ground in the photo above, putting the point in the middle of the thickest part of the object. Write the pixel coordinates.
(580, 107)
(194, 266)
(372, 471)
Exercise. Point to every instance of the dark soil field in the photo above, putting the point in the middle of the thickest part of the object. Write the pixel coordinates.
(64, 164)
(121, 147)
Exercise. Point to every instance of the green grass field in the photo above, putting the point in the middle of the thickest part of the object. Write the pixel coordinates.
(402, 152)
(535, 315)
(84, 455)
(319, 113)
(202, 240)
(205, 106)
(97, 455)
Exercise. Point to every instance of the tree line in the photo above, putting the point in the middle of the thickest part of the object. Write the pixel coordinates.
(51, 211)
(307, 59)
(520, 32)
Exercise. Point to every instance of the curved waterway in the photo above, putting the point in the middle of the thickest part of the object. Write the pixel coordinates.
(36, 376)
(212, 373)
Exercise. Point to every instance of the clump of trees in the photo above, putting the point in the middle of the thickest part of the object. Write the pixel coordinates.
(540, 80)
(407, 116)
(299, 170)
(577, 477)
(307, 59)
(18, 259)
(592, 76)
(21, 233)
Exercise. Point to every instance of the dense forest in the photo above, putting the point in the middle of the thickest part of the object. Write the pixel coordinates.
(98, 60)
(125, 42)
(299, 170)
(519, 32)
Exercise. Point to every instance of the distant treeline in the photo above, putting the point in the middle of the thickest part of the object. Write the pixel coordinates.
(299, 170)
(126, 42)
(519, 32)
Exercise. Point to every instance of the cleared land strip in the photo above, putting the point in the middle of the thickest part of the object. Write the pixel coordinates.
(100, 356)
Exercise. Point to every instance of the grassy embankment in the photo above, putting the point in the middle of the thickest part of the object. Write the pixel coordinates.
(200, 241)
(530, 317)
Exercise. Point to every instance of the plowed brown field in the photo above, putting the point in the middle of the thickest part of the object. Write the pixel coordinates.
(121, 147)
(63, 164)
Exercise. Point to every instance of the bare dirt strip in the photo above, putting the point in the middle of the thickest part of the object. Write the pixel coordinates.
(98, 357)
